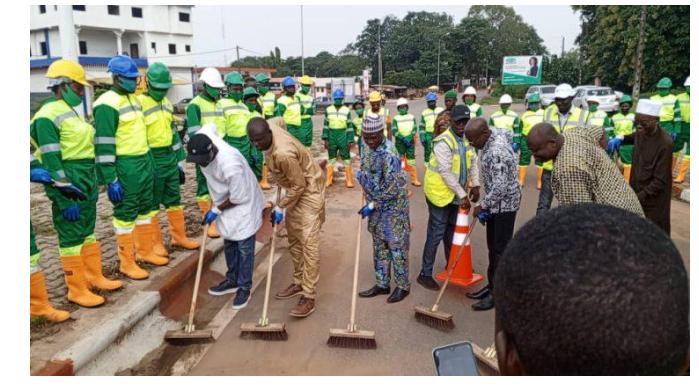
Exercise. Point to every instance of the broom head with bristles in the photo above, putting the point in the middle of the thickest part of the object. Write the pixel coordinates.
(360, 339)
(181, 337)
(436, 319)
(270, 332)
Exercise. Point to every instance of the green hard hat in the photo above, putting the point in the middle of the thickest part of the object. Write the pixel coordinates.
(234, 78)
(159, 76)
(451, 94)
(261, 77)
(248, 91)
(665, 82)
(534, 98)
(625, 99)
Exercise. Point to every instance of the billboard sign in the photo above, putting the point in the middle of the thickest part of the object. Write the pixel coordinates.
(521, 70)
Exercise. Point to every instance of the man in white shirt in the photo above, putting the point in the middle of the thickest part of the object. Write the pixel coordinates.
(237, 208)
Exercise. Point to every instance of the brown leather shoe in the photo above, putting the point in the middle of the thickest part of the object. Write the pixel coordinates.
(291, 291)
(304, 308)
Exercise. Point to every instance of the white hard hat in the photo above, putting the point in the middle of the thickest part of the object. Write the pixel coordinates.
(563, 91)
(686, 82)
(212, 77)
(506, 100)
(592, 98)
(402, 102)
(469, 91)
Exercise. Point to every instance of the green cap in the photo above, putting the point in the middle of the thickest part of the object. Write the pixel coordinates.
(665, 82)
(248, 91)
(451, 94)
(534, 98)
(261, 77)
(234, 78)
(625, 99)
(159, 76)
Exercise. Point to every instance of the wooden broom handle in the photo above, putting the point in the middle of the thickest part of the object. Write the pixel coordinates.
(268, 284)
(192, 308)
(356, 268)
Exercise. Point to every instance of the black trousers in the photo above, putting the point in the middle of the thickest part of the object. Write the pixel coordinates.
(499, 231)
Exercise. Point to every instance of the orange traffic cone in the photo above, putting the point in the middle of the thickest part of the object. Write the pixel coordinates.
(463, 273)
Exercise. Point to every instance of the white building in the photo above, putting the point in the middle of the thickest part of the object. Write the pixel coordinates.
(148, 33)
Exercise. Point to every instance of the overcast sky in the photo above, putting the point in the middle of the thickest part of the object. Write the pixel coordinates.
(258, 29)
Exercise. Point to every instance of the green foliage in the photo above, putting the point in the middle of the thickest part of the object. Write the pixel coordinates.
(516, 92)
(567, 69)
(323, 64)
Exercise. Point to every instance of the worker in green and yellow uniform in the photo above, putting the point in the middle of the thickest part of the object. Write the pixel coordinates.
(682, 129)
(337, 129)
(168, 158)
(670, 114)
(125, 165)
(251, 98)
(623, 122)
(504, 118)
(308, 108)
(595, 117)
(65, 147)
(531, 117)
(290, 109)
(450, 99)
(204, 109)
(404, 128)
(469, 98)
(358, 107)
(429, 115)
(268, 100)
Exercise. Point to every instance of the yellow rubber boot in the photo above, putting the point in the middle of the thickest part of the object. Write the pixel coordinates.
(413, 176)
(204, 207)
(522, 175)
(674, 161)
(78, 288)
(158, 246)
(329, 172)
(178, 233)
(627, 172)
(127, 258)
(143, 235)
(349, 176)
(539, 173)
(92, 258)
(264, 183)
(684, 167)
(39, 300)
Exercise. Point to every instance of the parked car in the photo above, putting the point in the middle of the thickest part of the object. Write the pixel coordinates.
(322, 103)
(181, 106)
(545, 91)
(608, 100)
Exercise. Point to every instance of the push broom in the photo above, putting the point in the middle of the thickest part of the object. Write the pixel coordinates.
(432, 316)
(263, 329)
(353, 337)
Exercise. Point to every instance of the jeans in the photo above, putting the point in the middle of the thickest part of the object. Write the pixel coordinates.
(240, 256)
(546, 193)
(440, 228)
(499, 230)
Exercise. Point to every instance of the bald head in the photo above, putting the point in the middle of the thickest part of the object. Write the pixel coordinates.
(544, 141)
(259, 133)
(477, 132)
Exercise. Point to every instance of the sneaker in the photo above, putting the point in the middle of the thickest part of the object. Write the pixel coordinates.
(241, 299)
(223, 288)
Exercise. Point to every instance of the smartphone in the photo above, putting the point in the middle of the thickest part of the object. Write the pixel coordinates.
(455, 360)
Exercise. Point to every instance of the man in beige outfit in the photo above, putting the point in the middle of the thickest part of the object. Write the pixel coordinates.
(294, 169)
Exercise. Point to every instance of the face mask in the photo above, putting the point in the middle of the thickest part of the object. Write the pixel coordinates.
(663, 92)
(213, 92)
(70, 97)
(305, 89)
(359, 112)
(687, 88)
(338, 102)
(432, 105)
(264, 90)
(237, 95)
(534, 107)
(592, 107)
(128, 85)
(251, 106)
(504, 108)
(156, 94)
(403, 111)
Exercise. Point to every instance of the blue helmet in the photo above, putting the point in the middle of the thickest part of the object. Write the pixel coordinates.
(123, 66)
(288, 82)
(338, 94)
(431, 97)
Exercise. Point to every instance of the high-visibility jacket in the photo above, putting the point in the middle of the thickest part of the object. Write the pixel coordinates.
(436, 190)
(429, 116)
(236, 116)
(506, 120)
(667, 110)
(337, 119)
(158, 118)
(475, 110)
(209, 113)
(292, 109)
(306, 103)
(531, 118)
(623, 124)
(131, 138)
(575, 118)
(268, 103)
(357, 122)
(405, 125)
(683, 98)
(598, 118)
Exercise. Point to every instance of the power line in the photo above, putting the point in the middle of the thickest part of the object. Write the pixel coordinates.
(210, 52)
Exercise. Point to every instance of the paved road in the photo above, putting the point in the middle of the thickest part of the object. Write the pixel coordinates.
(404, 346)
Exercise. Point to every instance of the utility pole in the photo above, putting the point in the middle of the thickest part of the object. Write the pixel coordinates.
(439, 53)
(563, 46)
(639, 54)
(303, 68)
(380, 64)
(223, 36)
(237, 56)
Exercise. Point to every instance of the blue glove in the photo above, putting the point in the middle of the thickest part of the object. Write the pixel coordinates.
(613, 145)
(70, 191)
(674, 136)
(211, 215)
(483, 216)
(515, 147)
(408, 141)
(115, 191)
(366, 210)
(40, 175)
(277, 215)
(72, 213)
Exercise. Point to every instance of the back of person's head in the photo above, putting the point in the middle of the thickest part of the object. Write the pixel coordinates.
(590, 289)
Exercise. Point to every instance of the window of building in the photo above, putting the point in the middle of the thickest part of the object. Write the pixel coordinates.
(113, 9)
(43, 48)
(133, 48)
(137, 12)
(83, 47)
(187, 48)
(184, 17)
(78, 8)
(152, 46)
(42, 9)
(172, 48)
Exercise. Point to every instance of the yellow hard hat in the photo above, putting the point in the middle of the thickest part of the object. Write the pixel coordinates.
(69, 69)
(374, 96)
(305, 79)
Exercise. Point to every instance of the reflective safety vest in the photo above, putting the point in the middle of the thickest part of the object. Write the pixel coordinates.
(158, 118)
(306, 103)
(131, 134)
(595, 118)
(436, 190)
(268, 103)
(430, 116)
(337, 119)
(683, 98)
(667, 110)
(211, 113)
(358, 121)
(292, 113)
(531, 118)
(76, 135)
(623, 124)
(575, 118)
(405, 124)
(504, 120)
(236, 116)
(473, 108)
